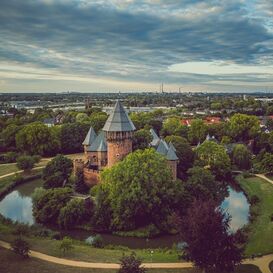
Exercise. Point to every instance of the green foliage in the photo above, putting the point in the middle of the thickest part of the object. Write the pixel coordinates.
(66, 244)
(241, 156)
(202, 185)
(60, 164)
(36, 138)
(131, 264)
(82, 118)
(54, 181)
(79, 184)
(97, 241)
(197, 131)
(48, 203)
(209, 244)
(243, 127)
(226, 140)
(71, 137)
(97, 120)
(171, 126)
(10, 157)
(25, 162)
(141, 139)
(74, 213)
(8, 135)
(138, 189)
(20, 247)
(214, 157)
(184, 152)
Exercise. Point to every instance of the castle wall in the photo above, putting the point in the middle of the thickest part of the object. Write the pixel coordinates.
(173, 166)
(91, 177)
(118, 149)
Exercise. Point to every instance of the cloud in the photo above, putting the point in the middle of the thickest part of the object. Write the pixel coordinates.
(135, 41)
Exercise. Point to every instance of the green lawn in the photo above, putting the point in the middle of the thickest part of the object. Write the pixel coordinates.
(10, 263)
(261, 229)
(269, 176)
(8, 168)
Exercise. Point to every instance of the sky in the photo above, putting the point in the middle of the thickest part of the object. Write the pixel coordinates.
(135, 45)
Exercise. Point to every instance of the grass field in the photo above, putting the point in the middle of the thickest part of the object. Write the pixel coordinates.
(261, 229)
(8, 168)
(10, 263)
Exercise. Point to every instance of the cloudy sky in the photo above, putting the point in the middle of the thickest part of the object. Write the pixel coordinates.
(134, 45)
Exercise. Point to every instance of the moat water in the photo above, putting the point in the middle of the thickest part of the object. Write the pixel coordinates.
(17, 206)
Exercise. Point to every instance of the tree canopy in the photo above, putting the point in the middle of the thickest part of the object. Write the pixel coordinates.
(214, 157)
(197, 131)
(139, 189)
(184, 152)
(209, 245)
(141, 139)
(241, 156)
(243, 127)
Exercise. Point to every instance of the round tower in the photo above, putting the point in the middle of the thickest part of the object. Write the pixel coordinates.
(119, 132)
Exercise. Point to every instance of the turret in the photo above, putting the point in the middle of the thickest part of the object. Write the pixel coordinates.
(119, 132)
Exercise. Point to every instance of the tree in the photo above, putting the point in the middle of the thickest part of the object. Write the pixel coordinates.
(243, 127)
(214, 157)
(131, 264)
(241, 156)
(66, 244)
(197, 131)
(82, 118)
(74, 213)
(25, 162)
(138, 189)
(72, 136)
(79, 185)
(21, 247)
(60, 164)
(36, 138)
(141, 139)
(201, 184)
(56, 180)
(171, 126)
(97, 120)
(9, 133)
(48, 203)
(209, 244)
(265, 165)
(184, 153)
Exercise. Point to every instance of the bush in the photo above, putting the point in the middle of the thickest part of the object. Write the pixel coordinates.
(20, 247)
(25, 162)
(131, 264)
(21, 229)
(36, 158)
(66, 244)
(54, 181)
(254, 200)
(97, 241)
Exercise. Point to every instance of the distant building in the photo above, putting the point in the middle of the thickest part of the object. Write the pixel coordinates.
(49, 122)
(113, 144)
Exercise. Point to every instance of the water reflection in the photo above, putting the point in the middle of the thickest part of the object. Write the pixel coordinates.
(17, 208)
(237, 206)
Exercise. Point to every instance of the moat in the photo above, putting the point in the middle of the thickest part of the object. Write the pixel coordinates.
(17, 206)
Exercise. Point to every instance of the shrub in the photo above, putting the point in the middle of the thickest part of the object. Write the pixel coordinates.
(254, 200)
(54, 181)
(66, 244)
(131, 264)
(10, 157)
(21, 229)
(21, 247)
(97, 241)
(37, 158)
(25, 162)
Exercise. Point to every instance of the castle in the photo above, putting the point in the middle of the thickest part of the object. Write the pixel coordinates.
(114, 143)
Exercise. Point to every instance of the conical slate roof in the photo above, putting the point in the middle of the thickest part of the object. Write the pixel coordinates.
(118, 121)
(155, 137)
(162, 147)
(171, 145)
(99, 144)
(171, 155)
(90, 137)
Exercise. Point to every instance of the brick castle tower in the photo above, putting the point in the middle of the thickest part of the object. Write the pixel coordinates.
(119, 132)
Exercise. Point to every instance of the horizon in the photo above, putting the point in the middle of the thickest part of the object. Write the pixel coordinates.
(132, 46)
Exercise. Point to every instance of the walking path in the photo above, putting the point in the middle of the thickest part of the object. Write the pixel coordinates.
(262, 263)
(9, 174)
(264, 177)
